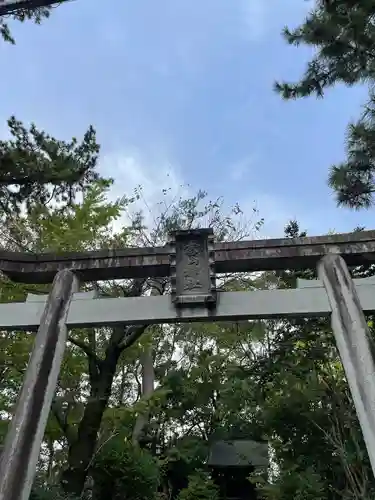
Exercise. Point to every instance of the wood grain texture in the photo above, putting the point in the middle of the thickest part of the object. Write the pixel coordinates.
(85, 311)
(154, 262)
(24, 438)
(354, 342)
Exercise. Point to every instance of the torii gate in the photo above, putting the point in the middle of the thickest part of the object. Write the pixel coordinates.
(191, 260)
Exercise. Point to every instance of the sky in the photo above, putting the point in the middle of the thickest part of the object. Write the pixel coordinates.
(180, 93)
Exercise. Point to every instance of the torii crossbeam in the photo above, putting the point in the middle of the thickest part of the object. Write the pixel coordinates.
(240, 256)
(191, 260)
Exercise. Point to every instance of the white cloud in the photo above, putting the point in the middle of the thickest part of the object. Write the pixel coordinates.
(157, 184)
(130, 170)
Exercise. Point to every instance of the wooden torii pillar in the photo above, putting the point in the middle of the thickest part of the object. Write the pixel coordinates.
(354, 342)
(191, 260)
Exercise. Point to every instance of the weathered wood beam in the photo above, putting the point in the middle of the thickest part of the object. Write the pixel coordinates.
(301, 283)
(354, 342)
(305, 302)
(244, 256)
(24, 438)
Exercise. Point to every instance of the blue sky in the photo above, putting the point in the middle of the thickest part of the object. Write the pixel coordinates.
(180, 92)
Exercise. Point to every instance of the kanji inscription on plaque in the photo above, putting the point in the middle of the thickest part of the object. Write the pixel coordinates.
(192, 268)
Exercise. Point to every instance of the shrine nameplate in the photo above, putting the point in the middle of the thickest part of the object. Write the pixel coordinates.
(192, 268)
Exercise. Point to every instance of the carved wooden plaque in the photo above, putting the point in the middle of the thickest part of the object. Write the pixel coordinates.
(192, 268)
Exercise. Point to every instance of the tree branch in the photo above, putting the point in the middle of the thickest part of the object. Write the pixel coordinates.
(62, 421)
(86, 349)
(131, 336)
(124, 337)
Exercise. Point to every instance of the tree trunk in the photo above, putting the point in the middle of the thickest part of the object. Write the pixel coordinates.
(51, 456)
(102, 372)
(82, 449)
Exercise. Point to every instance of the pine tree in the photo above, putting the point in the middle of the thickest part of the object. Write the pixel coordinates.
(36, 15)
(36, 168)
(343, 34)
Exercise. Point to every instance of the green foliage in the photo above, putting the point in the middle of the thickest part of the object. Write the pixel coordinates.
(296, 484)
(200, 487)
(182, 459)
(50, 493)
(125, 471)
(275, 380)
(36, 15)
(82, 226)
(191, 450)
(353, 180)
(43, 168)
(343, 34)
